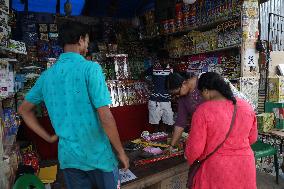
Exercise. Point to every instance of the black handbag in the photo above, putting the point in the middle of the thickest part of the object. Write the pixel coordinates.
(196, 164)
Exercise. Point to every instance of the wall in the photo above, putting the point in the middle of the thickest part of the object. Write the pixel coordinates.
(130, 121)
(277, 57)
(249, 81)
(271, 6)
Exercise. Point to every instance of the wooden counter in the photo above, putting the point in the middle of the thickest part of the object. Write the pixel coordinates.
(166, 174)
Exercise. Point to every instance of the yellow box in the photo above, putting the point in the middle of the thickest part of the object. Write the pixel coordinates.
(265, 122)
(276, 89)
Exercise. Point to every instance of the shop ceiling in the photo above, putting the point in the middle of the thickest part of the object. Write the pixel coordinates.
(96, 8)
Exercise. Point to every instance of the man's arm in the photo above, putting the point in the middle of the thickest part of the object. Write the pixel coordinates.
(33, 97)
(181, 122)
(100, 98)
(109, 125)
(26, 111)
(176, 135)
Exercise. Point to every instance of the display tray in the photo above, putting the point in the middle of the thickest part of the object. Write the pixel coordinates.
(153, 173)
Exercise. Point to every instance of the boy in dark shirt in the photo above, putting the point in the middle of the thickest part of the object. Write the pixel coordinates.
(160, 100)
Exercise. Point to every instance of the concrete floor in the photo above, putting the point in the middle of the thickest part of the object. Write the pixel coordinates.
(265, 181)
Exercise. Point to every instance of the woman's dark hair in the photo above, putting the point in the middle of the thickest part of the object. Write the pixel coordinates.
(71, 31)
(174, 81)
(213, 81)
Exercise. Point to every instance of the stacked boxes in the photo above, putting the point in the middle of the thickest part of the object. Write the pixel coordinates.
(5, 29)
(275, 102)
(6, 79)
(276, 89)
(278, 109)
(265, 122)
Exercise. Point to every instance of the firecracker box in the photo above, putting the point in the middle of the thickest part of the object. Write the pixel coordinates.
(265, 122)
(278, 109)
(276, 89)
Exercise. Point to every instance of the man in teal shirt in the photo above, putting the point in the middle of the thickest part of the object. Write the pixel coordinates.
(77, 98)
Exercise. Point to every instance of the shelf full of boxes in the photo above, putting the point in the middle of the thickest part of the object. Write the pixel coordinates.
(122, 78)
(215, 36)
(122, 61)
(9, 121)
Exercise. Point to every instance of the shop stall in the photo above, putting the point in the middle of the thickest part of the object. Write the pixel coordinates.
(217, 36)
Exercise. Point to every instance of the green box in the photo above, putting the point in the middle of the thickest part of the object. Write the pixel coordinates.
(280, 124)
(269, 106)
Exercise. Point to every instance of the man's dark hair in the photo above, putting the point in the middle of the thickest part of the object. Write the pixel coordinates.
(163, 54)
(174, 81)
(71, 31)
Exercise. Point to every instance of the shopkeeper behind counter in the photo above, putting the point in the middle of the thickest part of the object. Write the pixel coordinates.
(189, 98)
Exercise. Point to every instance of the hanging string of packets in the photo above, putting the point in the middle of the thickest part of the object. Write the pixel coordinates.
(128, 92)
(136, 67)
(115, 66)
(119, 67)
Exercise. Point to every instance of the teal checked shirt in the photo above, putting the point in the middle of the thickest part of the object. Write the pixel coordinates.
(72, 90)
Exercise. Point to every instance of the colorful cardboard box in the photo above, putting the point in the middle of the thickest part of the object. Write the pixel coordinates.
(276, 89)
(277, 108)
(7, 81)
(265, 122)
(269, 106)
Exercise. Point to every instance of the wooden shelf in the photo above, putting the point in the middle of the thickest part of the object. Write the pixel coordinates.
(203, 27)
(211, 51)
(9, 59)
(234, 80)
(7, 97)
(4, 50)
(219, 49)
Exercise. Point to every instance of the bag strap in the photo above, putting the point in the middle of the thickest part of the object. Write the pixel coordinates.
(227, 135)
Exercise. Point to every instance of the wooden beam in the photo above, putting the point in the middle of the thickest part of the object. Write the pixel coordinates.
(58, 7)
